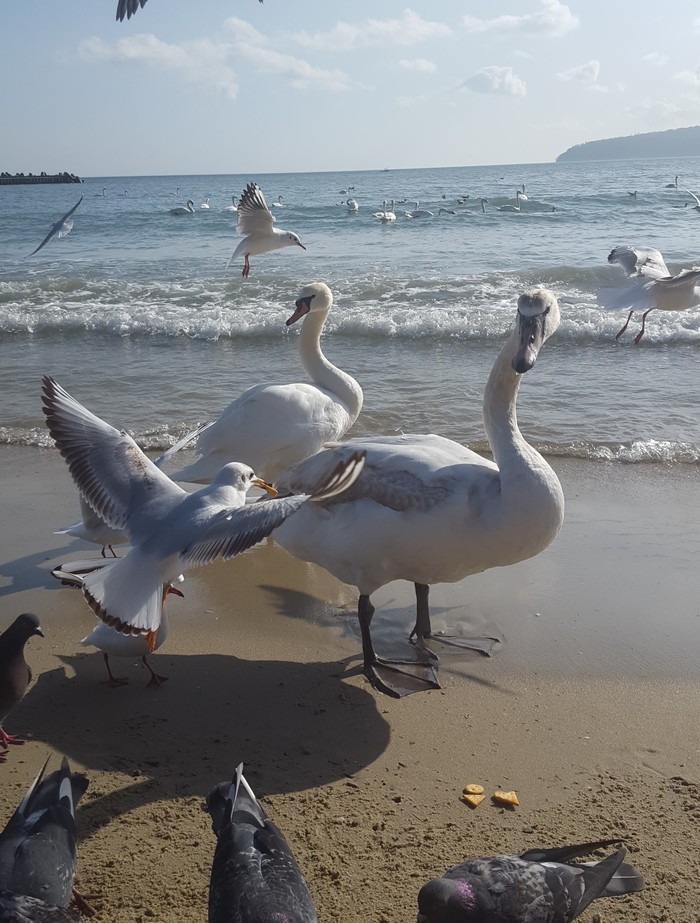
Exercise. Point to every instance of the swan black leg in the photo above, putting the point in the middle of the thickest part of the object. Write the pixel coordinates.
(423, 629)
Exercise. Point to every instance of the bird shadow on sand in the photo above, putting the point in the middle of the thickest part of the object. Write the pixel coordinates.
(295, 725)
(32, 571)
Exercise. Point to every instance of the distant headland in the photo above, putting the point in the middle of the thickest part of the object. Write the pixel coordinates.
(676, 142)
(22, 179)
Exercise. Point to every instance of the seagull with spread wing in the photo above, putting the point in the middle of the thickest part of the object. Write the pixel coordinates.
(168, 528)
(255, 220)
(61, 228)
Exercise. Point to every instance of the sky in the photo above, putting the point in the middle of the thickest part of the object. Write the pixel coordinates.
(236, 86)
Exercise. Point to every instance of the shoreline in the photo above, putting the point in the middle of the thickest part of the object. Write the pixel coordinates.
(587, 708)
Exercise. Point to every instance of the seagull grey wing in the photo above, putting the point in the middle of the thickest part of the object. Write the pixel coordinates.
(642, 261)
(57, 227)
(128, 8)
(688, 278)
(254, 217)
(634, 297)
(233, 531)
(182, 443)
(109, 469)
(18, 908)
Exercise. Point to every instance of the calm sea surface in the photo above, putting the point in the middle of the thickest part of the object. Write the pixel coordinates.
(135, 313)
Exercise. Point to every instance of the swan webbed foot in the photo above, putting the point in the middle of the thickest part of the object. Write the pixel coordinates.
(482, 645)
(400, 678)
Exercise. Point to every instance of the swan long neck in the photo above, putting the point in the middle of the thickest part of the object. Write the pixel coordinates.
(322, 372)
(511, 451)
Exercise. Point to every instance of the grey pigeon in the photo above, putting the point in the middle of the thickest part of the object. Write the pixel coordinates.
(15, 674)
(18, 908)
(37, 847)
(537, 886)
(254, 876)
(62, 227)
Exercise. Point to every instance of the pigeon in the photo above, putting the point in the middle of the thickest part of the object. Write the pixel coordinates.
(653, 286)
(18, 908)
(168, 528)
(537, 886)
(15, 674)
(255, 220)
(38, 845)
(254, 874)
(61, 228)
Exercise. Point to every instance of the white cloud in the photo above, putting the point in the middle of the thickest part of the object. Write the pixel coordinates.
(493, 79)
(203, 63)
(587, 74)
(654, 57)
(418, 64)
(688, 76)
(696, 24)
(243, 31)
(410, 29)
(302, 73)
(554, 19)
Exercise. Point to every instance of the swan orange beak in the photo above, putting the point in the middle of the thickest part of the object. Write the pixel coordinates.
(258, 482)
(303, 306)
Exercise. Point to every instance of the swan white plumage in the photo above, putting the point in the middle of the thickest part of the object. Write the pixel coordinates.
(168, 528)
(519, 196)
(278, 203)
(653, 286)
(386, 215)
(205, 203)
(255, 220)
(673, 185)
(352, 205)
(232, 207)
(183, 209)
(429, 510)
(271, 427)
(418, 212)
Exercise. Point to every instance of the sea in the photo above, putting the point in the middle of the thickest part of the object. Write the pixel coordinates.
(136, 313)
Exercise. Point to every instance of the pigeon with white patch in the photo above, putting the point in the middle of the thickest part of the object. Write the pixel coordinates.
(15, 674)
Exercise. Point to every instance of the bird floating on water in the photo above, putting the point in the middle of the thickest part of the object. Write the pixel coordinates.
(536, 886)
(61, 228)
(167, 527)
(653, 286)
(254, 875)
(271, 427)
(519, 197)
(183, 209)
(429, 510)
(255, 220)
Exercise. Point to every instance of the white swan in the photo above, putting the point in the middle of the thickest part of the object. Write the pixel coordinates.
(519, 196)
(255, 220)
(271, 427)
(168, 528)
(232, 207)
(205, 203)
(419, 212)
(352, 205)
(278, 203)
(183, 209)
(429, 510)
(673, 185)
(653, 286)
(386, 215)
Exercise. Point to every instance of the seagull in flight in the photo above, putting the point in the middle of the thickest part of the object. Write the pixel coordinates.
(255, 220)
(61, 228)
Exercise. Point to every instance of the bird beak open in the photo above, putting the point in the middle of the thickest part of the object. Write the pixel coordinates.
(303, 306)
(174, 590)
(258, 482)
(531, 335)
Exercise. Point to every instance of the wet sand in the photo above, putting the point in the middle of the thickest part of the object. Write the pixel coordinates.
(588, 708)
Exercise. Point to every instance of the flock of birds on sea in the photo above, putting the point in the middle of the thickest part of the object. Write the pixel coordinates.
(370, 510)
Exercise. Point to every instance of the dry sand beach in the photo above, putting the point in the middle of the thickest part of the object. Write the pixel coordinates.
(588, 709)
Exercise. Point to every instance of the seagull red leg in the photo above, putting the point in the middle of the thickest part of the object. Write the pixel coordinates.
(6, 739)
(114, 681)
(624, 326)
(155, 680)
(641, 332)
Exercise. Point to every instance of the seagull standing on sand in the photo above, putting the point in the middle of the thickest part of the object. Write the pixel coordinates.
(254, 875)
(653, 286)
(61, 228)
(537, 886)
(271, 427)
(168, 528)
(429, 510)
(15, 674)
(38, 845)
(255, 220)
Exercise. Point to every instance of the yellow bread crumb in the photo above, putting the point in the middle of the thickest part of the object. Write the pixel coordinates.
(506, 798)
